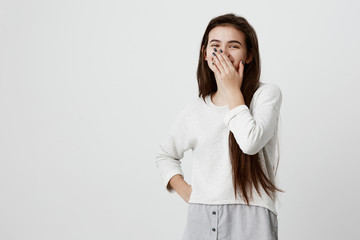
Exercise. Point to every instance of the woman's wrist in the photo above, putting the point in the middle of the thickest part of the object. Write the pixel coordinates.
(178, 183)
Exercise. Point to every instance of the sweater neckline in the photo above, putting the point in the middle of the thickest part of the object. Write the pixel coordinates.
(211, 104)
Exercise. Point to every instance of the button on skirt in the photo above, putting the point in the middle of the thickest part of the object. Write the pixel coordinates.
(230, 222)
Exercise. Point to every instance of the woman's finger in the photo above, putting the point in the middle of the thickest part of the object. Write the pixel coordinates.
(218, 63)
(216, 69)
(241, 69)
(225, 61)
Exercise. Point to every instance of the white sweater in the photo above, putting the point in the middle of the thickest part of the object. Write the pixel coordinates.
(204, 128)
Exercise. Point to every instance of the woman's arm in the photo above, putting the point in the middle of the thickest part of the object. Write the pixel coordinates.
(172, 148)
(178, 183)
(253, 129)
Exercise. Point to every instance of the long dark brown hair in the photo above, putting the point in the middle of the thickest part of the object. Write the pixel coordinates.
(246, 169)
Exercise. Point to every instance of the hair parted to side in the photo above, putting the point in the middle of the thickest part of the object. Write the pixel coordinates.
(246, 169)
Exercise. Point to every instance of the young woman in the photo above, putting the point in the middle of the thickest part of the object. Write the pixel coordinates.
(232, 130)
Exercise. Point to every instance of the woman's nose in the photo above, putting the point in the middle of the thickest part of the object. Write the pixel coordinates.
(225, 51)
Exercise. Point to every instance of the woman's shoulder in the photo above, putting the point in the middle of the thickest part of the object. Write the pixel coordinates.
(190, 107)
(268, 86)
(268, 93)
(268, 89)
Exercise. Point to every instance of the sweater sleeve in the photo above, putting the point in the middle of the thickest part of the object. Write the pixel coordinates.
(172, 149)
(253, 131)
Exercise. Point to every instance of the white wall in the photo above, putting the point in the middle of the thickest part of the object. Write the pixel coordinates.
(88, 89)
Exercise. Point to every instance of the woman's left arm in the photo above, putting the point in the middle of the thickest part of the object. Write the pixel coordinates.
(253, 131)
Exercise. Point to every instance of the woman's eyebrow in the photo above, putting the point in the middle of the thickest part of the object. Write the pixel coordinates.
(232, 41)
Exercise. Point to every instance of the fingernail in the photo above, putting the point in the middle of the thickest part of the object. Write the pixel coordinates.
(215, 50)
(212, 63)
(214, 54)
(242, 62)
(220, 50)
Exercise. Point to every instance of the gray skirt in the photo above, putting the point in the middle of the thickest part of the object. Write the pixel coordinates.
(230, 222)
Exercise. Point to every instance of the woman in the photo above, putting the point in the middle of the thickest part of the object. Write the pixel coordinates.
(232, 131)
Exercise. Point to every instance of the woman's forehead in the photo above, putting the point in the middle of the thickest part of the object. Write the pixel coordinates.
(225, 33)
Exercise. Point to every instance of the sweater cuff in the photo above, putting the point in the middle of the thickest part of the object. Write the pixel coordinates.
(233, 112)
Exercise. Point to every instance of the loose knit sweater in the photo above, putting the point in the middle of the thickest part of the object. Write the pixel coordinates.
(204, 128)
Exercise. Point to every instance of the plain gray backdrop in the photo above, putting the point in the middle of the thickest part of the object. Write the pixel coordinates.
(88, 90)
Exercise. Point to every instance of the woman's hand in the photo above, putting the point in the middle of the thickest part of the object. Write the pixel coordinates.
(181, 187)
(186, 193)
(229, 78)
(190, 191)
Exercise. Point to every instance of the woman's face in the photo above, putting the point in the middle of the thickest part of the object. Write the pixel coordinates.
(231, 41)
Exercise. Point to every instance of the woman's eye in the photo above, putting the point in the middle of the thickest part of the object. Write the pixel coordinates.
(234, 46)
